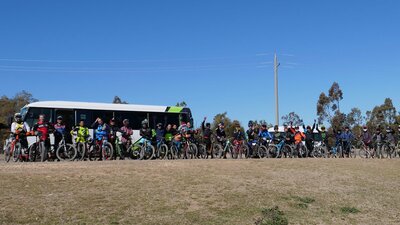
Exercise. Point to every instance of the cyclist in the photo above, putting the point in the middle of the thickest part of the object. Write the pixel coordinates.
(113, 133)
(145, 132)
(264, 135)
(347, 137)
(20, 129)
(390, 137)
(43, 128)
(298, 139)
(220, 133)
(207, 132)
(309, 133)
(378, 139)
(238, 137)
(277, 137)
(102, 129)
(169, 134)
(126, 131)
(59, 131)
(82, 132)
(366, 137)
(289, 133)
(324, 135)
(160, 134)
(251, 136)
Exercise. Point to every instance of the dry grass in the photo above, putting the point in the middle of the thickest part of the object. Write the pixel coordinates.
(308, 191)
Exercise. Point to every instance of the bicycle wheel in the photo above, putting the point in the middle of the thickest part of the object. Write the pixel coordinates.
(17, 152)
(147, 152)
(66, 152)
(92, 152)
(363, 153)
(107, 151)
(353, 152)
(175, 152)
(192, 151)
(162, 151)
(33, 151)
(217, 151)
(287, 151)
(202, 151)
(262, 152)
(245, 151)
(81, 151)
(273, 151)
(7, 153)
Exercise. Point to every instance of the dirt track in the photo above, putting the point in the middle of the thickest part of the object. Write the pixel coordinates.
(199, 191)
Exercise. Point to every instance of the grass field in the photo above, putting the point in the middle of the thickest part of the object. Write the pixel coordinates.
(306, 191)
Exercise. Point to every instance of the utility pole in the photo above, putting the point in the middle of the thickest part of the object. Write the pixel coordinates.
(276, 65)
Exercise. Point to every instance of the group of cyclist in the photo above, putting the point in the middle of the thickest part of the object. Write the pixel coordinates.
(172, 135)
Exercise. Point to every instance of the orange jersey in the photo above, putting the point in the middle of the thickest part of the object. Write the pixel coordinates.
(298, 137)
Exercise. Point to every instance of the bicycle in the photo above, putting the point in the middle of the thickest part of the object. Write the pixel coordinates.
(240, 149)
(342, 151)
(299, 150)
(162, 149)
(280, 150)
(389, 149)
(14, 149)
(66, 151)
(221, 150)
(147, 150)
(189, 149)
(260, 148)
(364, 151)
(320, 150)
(102, 149)
(37, 149)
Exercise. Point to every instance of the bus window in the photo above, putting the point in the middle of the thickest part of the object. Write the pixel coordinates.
(32, 116)
(135, 118)
(105, 115)
(68, 117)
(85, 115)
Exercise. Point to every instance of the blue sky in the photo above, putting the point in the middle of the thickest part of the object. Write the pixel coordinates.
(215, 55)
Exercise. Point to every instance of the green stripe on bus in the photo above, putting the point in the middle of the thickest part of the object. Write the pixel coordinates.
(174, 109)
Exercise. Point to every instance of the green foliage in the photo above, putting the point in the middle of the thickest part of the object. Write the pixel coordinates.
(349, 210)
(293, 118)
(328, 106)
(229, 124)
(354, 118)
(181, 104)
(383, 115)
(9, 106)
(273, 216)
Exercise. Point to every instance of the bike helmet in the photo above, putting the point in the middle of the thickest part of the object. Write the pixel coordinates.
(59, 117)
(221, 124)
(264, 125)
(388, 129)
(159, 124)
(323, 128)
(285, 125)
(145, 122)
(308, 128)
(250, 123)
(17, 115)
(125, 121)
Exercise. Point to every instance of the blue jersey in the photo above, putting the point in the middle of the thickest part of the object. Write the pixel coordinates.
(265, 135)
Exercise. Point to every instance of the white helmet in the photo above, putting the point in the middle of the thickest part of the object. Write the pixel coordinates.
(17, 116)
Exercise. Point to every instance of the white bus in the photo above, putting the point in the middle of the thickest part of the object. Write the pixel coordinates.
(73, 112)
